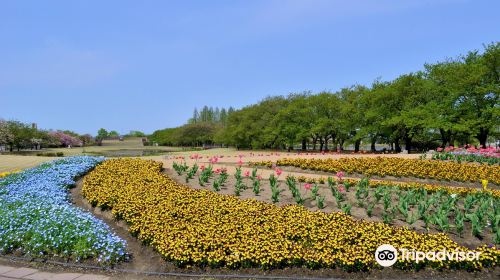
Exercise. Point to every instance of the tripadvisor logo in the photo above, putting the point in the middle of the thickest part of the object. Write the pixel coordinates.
(386, 255)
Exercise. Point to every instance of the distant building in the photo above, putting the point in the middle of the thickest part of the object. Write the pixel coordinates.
(34, 126)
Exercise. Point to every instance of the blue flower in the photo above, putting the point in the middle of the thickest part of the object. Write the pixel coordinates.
(37, 217)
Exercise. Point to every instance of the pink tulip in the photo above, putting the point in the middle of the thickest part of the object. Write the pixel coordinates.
(307, 186)
(259, 177)
(202, 167)
(340, 174)
(217, 171)
(247, 173)
(278, 171)
(240, 163)
(341, 188)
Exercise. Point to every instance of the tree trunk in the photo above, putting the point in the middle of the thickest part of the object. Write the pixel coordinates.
(482, 136)
(304, 143)
(326, 143)
(407, 143)
(356, 145)
(397, 146)
(372, 146)
(321, 143)
(341, 144)
(445, 137)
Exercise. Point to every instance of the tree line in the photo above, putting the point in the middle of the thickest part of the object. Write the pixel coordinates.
(451, 102)
(18, 135)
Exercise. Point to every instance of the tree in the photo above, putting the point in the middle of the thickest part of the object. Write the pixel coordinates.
(113, 133)
(102, 133)
(6, 136)
(66, 140)
(136, 133)
(86, 139)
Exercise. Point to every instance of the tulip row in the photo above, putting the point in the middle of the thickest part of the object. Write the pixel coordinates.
(462, 191)
(37, 218)
(467, 157)
(398, 167)
(202, 227)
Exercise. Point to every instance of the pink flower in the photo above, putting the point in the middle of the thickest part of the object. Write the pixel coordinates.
(240, 163)
(214, 160)
(439, 149)
(195, 156)
(217, 171)
(247, 173)
(340, 174)
(278, 171)
(273, 166)
(341, 188)
(259, 177)
(202, 167)
(240, 155)
(307, 186)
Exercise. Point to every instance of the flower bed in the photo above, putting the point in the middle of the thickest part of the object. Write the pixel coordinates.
(5, 174)
(462, 191)
(202, 227)
(398, 167)
(37, 218)
(486, 155)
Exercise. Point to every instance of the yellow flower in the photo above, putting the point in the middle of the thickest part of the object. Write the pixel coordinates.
(202, 227)
(485, 184)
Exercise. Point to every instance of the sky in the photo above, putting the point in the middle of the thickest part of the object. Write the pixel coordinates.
(145, 65)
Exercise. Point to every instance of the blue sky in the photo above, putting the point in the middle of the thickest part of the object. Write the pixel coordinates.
(145, 65)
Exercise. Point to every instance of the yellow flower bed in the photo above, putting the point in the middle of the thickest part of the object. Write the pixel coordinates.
(399, 167)
(5, 174)
(201, 227)
(463, 191)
